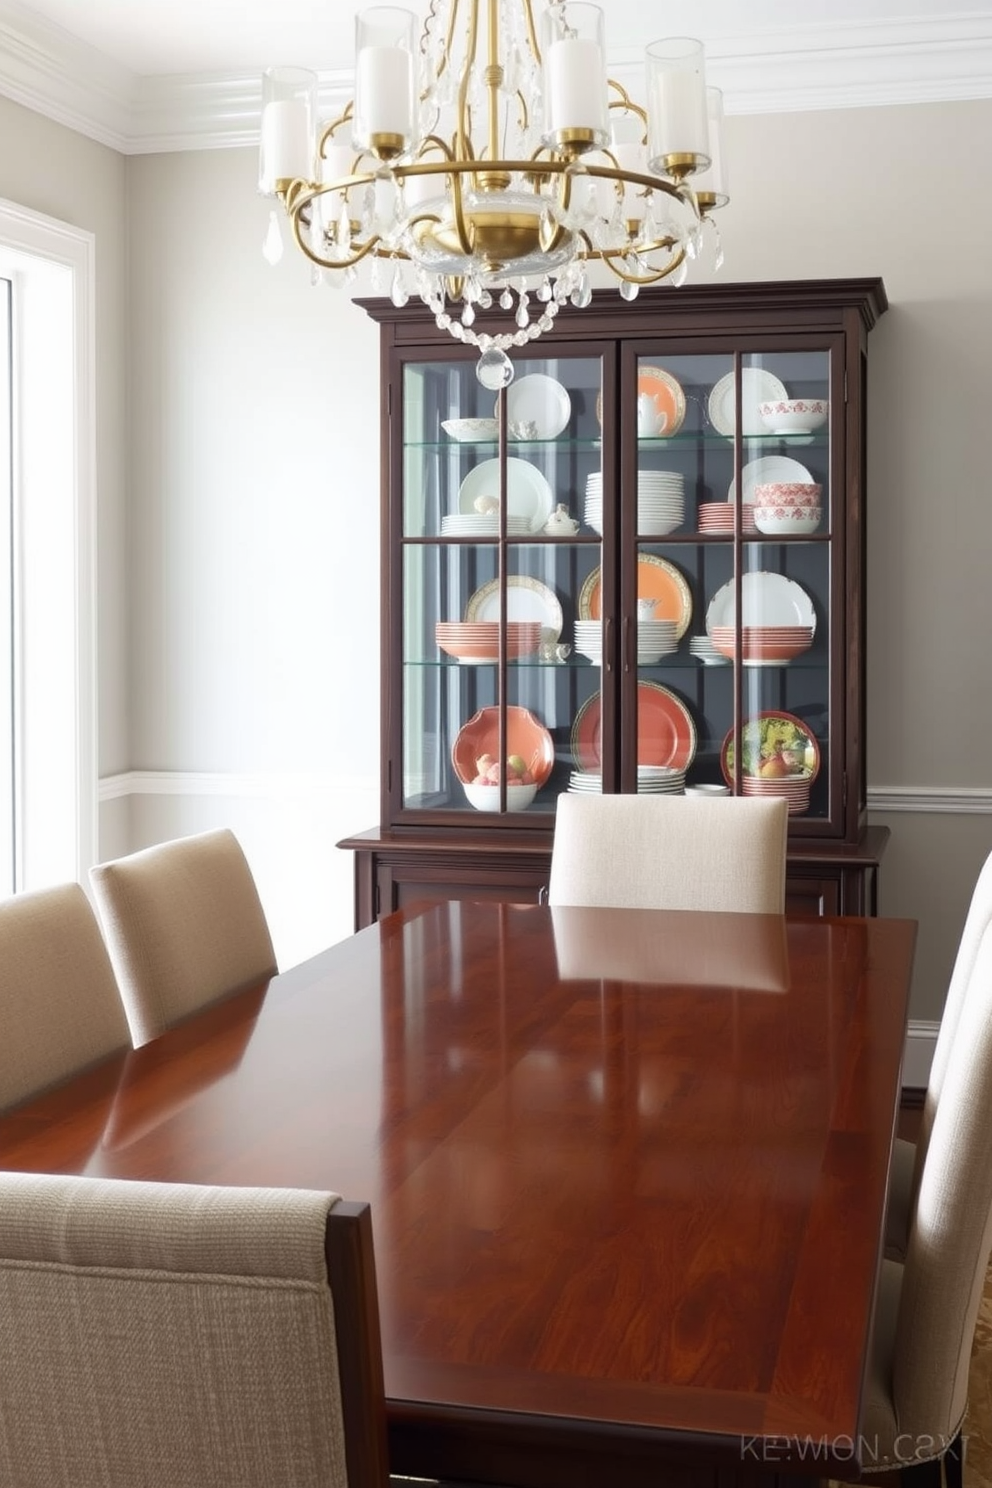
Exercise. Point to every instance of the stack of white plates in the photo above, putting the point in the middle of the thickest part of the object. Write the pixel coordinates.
(657, 780)
(589, 639)
(660, 780)
(586, 782)
(482, 525)
(703, 649)
(655, 639)
(660, 502)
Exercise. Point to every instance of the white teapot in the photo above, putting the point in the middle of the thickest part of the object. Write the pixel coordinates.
(651, 420)
(560, 524)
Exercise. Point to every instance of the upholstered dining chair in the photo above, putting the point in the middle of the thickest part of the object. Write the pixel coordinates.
(60, 1008)
(908, 1157)
(917, 1381)
(670, 852)
(182, 1335)
(184, 925)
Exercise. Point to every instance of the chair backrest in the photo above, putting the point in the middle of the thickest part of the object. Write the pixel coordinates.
(950, 1228)
(184, 925)
(60, 1008)
(978, 918)
(182, 1335)
(670, 852)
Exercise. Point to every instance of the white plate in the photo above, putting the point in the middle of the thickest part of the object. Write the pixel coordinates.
(526, 599)
(766, 599)
(762, 472)
(528, 494)
(757, 386)
(542, 402)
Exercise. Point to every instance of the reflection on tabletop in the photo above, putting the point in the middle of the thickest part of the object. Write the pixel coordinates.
(741, 952)
(137, 1107)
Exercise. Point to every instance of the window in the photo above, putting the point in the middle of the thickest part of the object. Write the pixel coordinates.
(48, 784)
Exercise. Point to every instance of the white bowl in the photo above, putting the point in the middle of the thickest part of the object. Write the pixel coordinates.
(471, 430)
(797, 520)
(794, 415)
(486, 797)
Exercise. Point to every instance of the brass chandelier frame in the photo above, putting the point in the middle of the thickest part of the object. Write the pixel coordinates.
(490, 239)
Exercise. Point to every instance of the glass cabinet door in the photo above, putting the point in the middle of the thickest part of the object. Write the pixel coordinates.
(497, 565)
(728, 568)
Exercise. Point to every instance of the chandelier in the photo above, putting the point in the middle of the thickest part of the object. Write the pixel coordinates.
(487, 163)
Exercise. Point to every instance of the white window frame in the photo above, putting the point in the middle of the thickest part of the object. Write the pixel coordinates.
(51, 266)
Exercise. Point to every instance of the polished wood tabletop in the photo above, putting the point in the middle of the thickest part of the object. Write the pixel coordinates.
(627, 1171)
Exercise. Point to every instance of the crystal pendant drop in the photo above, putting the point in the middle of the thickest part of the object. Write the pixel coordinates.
(629, 291)
(494, 370)
(398, 292)
(272, 243)
(506, 300)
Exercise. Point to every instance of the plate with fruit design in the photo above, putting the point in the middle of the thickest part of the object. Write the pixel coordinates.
(777, 746)
(530, 750)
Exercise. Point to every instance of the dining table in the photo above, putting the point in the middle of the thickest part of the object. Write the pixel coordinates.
(627, 1172)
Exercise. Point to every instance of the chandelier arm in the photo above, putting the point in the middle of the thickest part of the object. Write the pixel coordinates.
(532, 32)
(608, 255)
(327, 132)
(331, 263)
(494, 77)
(463, 129)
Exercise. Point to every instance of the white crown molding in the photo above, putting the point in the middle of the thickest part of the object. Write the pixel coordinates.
(861, 64)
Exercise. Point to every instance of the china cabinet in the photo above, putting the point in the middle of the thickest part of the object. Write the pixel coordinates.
(640, 566)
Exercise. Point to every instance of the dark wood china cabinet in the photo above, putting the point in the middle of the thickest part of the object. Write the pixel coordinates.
(640, 564)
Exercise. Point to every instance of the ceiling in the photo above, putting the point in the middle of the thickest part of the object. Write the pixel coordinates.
(165, 74)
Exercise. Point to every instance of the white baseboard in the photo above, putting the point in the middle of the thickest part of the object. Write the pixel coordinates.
(921, 1037)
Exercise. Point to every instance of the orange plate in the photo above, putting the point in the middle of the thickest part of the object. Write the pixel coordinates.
(524, 736)
(657, 579)
(666, 734)
(667, 392)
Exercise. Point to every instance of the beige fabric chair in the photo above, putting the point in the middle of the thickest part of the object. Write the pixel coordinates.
(188, 1337)
(670, 852)
(916, 1390)
(60, 1009)
(184, 925)
(908, 1157)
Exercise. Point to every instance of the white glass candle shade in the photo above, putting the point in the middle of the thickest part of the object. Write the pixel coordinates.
(678, 127)
(385, 116)
(289, 98)
(713, 183)
(575, 89)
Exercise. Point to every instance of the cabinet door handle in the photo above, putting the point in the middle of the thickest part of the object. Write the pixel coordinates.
(608, 644)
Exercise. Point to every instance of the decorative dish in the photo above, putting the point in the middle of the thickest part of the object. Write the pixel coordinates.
(666, 734)
(768, 470)
(776, 746)
(526, 599)
(757, 387)
(538, 405)
(525, 736)
(528, 494)
(766, 599)
(657, 579)
(471, 430)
